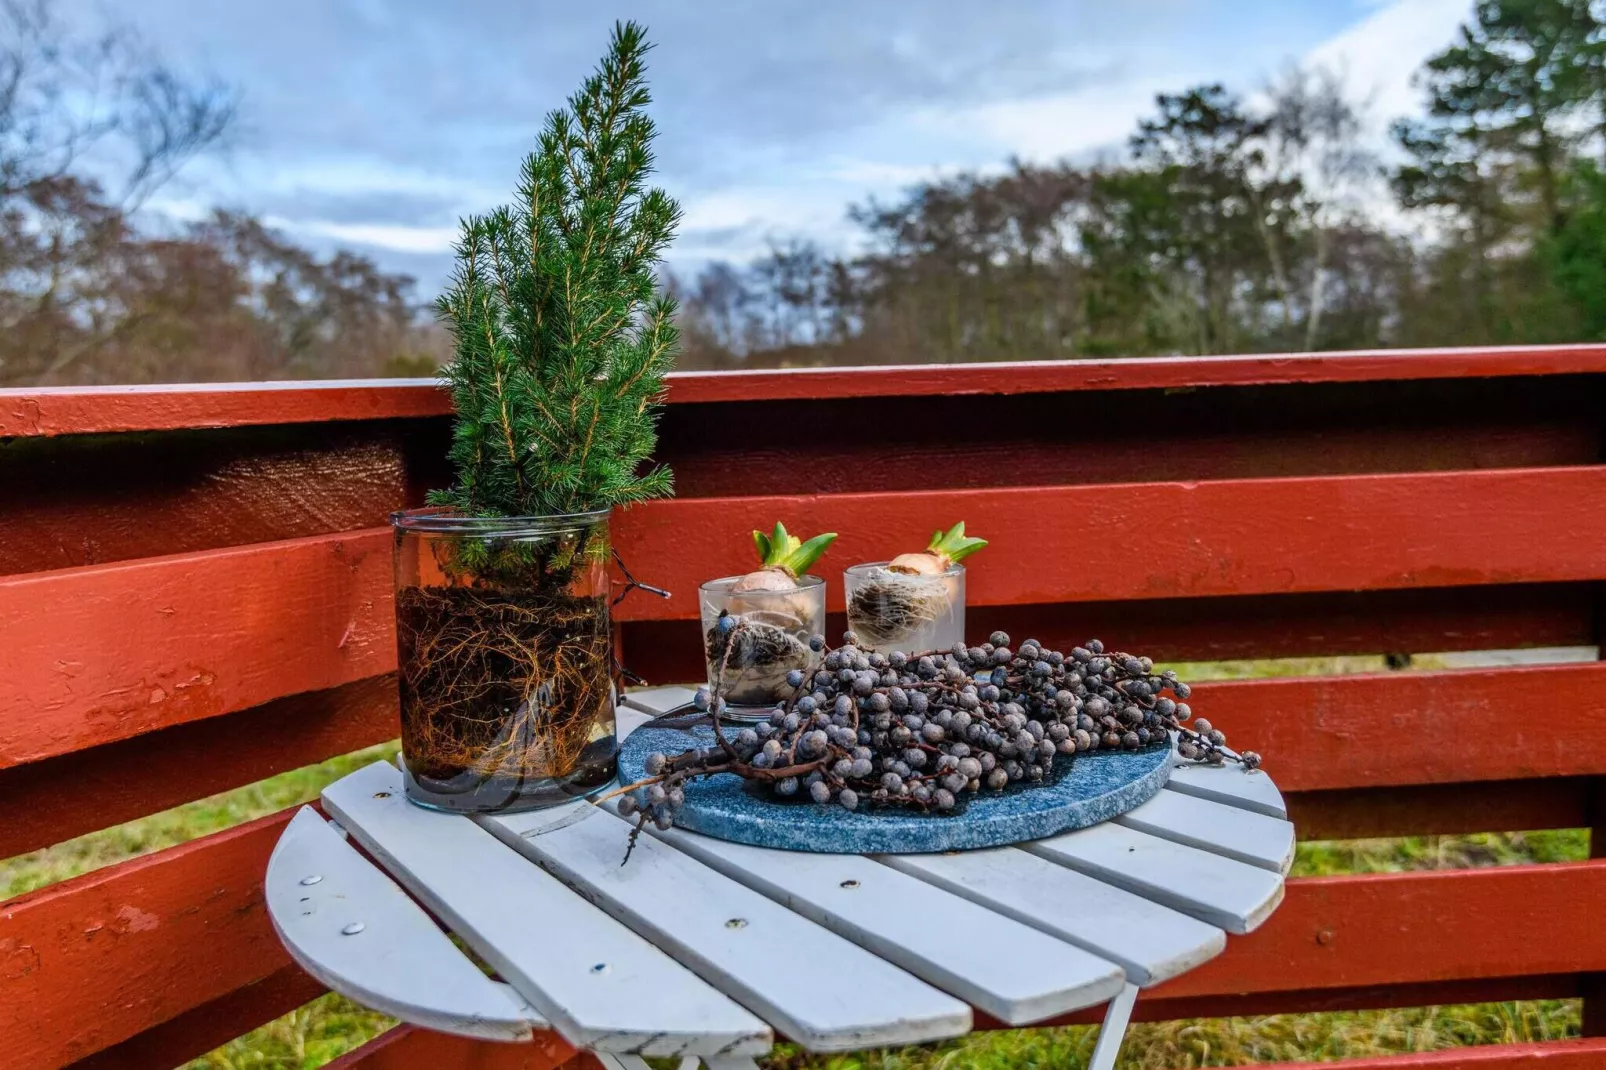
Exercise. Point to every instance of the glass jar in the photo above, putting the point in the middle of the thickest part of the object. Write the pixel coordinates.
(504, 659)
(897, 610)
(748, 660)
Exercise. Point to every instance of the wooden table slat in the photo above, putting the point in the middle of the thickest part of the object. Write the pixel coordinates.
(1153, 944)
(1243, 835)
(657, 701)
(1211, 887)
(808, 982)
(953, 943)
(602, 986)
(353, 929)
(1230, 785)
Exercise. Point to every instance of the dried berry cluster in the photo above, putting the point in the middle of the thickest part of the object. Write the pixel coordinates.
(924, 730)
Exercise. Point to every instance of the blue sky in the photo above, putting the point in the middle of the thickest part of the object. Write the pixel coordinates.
(376, 124)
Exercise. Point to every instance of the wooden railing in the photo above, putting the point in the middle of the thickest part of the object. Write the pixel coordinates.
(195, 594)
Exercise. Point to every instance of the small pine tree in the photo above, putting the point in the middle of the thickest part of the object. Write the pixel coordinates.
(562, 338)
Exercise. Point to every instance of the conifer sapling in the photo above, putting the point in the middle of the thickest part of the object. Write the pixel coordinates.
(562, 341)
(562, 335)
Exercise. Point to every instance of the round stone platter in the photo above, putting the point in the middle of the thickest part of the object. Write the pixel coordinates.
(1096, 787)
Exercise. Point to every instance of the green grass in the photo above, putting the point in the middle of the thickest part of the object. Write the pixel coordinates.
(304, 1039)
(326, 1028)
(26, 872)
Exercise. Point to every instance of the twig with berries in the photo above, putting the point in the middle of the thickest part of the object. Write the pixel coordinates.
(925, 730)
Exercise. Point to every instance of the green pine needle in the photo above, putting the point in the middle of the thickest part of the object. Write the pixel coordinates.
(562, 338)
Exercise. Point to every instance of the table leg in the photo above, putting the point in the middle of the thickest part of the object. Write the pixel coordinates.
(1113, 1031)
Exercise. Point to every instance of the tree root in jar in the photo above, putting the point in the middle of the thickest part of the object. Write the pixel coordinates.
(895, 606)
(501, 683)
(751, 661)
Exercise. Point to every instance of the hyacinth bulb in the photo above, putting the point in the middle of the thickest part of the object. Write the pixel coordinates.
(946, 549)
(778, 605)
(783, 557)
(921, 564)
(766, 579)
(915, 599)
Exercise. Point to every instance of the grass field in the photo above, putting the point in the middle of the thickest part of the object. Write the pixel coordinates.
(321, 1031)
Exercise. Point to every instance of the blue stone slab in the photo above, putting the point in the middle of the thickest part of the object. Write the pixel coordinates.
(1093, 788)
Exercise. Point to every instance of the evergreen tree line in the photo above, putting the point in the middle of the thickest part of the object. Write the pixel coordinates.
(1265, 224)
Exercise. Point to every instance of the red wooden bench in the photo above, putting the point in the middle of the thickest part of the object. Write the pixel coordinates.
(195, 594)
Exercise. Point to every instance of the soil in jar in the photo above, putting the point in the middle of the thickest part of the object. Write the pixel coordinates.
(505, 692)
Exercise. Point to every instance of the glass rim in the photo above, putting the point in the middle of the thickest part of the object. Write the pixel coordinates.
(448, 521)
(865, 566)
(806, 582)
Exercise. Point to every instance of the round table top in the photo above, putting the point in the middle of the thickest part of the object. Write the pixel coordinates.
(674, 954)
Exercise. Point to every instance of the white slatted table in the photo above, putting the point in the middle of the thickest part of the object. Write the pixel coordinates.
(709, 950)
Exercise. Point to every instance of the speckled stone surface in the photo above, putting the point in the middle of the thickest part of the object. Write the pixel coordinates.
(1095, 788)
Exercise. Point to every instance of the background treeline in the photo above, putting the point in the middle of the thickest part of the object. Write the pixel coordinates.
(1272, 223)
(1276, 221)
(90, 295)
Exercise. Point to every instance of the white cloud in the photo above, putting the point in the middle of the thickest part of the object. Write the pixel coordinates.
(775, 157)
(1047, 128)
(1378, 56)
(742, 223)
(885, 172)
(401, 239)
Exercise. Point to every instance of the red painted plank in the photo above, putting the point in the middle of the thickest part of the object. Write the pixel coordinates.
(1212, 629)
(92, 500)
(408, 1047)
(93, 961)
(1398, 940)
(1418, 727)
(1580, 1054)
(1420, 620)
(1129, 373)
(121, 781)
(81, 410)
(92, 655)
(1168, 540)
(1442, 809)
(926, 443)
(1155, 1007)
(76, 410)
(211, 1025)
(1344, 932)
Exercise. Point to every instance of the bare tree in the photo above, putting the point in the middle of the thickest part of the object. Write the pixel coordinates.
(1315, 135)
(64, 96)
(90, 295)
